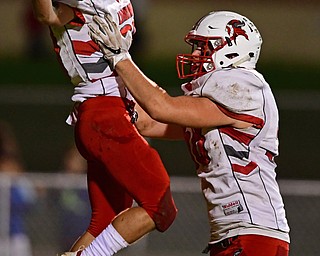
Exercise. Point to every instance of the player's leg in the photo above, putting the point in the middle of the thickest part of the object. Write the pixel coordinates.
(156, 210)
(110, 138)
(132, 162)
(148, 183)
(252, 245)
(107, 199)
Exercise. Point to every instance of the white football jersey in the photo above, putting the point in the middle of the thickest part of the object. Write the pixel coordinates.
(81, 57)
(236, 166)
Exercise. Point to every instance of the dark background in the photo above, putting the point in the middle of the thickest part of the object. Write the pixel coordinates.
(35, 93)
(44, 136)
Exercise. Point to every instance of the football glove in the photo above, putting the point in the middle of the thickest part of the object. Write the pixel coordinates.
(114, 46)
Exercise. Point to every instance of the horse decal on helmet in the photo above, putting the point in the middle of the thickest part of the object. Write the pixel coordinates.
(234, 29)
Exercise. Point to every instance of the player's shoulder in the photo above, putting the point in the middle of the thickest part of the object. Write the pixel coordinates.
(238, 90)
(231, 76)
(235, 73)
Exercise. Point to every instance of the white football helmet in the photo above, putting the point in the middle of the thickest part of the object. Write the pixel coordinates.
(226, 39)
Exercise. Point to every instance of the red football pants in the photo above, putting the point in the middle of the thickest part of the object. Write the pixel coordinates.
(121, 165)
(252, 245)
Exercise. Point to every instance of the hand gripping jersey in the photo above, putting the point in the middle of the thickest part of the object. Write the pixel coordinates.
(236, 166)
(81, 57)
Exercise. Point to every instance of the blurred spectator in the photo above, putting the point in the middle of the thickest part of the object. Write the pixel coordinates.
(74, 202)
(73, 162)
(10, 155)
(36, 37)
(21, 192)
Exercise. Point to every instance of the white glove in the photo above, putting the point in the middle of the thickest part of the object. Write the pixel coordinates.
(106, 34)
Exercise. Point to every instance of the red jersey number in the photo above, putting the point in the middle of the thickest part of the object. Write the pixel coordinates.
(125, 14)
(195, 141)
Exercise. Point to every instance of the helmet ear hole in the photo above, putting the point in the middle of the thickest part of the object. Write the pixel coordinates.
(232, 55)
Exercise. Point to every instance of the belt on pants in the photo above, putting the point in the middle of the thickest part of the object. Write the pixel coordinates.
(220, 245)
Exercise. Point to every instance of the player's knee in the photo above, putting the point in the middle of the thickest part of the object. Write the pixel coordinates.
(166, 212)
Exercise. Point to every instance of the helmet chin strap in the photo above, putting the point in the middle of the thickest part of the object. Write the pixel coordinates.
(244, 59)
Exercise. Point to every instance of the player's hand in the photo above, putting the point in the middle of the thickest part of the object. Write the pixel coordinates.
(106, 34)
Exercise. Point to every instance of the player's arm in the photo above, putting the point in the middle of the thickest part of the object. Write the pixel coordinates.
(149, 127)
(185, 111)
(58, 15)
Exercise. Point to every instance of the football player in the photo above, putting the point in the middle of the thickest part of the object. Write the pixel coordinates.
(228, 117)
(121, 164)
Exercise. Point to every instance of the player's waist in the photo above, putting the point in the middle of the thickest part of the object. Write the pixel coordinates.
(243, 228)
(102, 103)
(100, 86)
(253, 238)
(108, 86)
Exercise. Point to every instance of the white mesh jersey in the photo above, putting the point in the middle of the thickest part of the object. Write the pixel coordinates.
(81, 57)
(236, 166)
